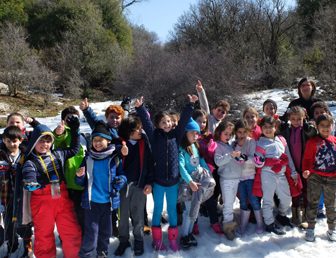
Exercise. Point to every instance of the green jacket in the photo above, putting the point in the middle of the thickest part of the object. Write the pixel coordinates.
(72, 164)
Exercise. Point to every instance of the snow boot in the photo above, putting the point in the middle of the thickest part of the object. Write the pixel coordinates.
(138, 247)
(172, 237)
(260, 222)
(283, 220)
(310, 235)
(157, 239)
(121, 248)
(229, 230)
(244, 219)
(217, 228)
(275, 229)
(192, 240)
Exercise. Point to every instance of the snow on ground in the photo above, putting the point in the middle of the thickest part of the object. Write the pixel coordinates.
(251, 245)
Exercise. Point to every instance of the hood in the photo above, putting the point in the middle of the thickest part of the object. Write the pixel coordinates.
(39, 131)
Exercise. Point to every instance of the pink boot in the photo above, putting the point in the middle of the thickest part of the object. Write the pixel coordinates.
(157, 239)
(217, 228)
(172, 237)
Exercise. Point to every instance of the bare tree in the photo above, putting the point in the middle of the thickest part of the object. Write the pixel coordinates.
(127, 3)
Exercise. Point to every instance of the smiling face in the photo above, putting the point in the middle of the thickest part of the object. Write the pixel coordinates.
(12, 145)
(269, 109)
(225, 135)
(219, 113)
(296, 120)
(165, 124)
(16, 121)
(306, 89)
(100, 143)
(268, 130)
(241, 134)
(44, 144)
(202, 122)
(113, 120)
(324, 128)
(251, 119)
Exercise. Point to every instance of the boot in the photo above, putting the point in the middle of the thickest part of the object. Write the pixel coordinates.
(157, 239)
(275, 229)
(172, 237)
(244, 219)
(138, 247)
(217, 228)
(260, 223)
(195, 229)
(229, 230)
(121, 248)
(283, 220)
(296, 216)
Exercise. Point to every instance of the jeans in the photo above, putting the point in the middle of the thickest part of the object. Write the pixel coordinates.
(246, 196)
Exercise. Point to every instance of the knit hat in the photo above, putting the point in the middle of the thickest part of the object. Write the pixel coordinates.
(101, 129)
(270, 101)
(192, 126)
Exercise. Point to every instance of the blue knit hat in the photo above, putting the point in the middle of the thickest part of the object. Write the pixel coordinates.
(192, 126)
(101, 129)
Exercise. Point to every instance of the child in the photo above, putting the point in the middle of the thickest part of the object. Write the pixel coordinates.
(138, 169)
(319, 167)
(102, 176)
(251, 115)
(50, 203)
(218, 112)
(10, 154)
(246, 146)
(195, 174)
(296, 136)
(164, 142)
(229, 172)
(175, 117)
(62, 135)
(207, 147)
(274, 160)
(270, 108)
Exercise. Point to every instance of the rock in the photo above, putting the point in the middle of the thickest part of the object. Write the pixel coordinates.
(4, 88)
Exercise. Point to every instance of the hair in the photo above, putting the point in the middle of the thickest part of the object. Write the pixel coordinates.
(241, 124)
(158, 117)
(325, 117)
(320, 104)
(115, 109)
(296, 110)
(270, 101)
(305, 79)
(267, 120)
(223, 104)
(15, 114)
(200, 112)
(12, 133)
(222, 127)
(47, 136)
(250, 110)
(174, 113)
(185, 144)
(71, 110)
(129, 125)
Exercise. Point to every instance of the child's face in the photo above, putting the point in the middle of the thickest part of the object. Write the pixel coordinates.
(166, 124)
(100, 143)
(174, 121)
(319, 111)
(113, 120)
(241, 134)
(269, 109)
(268, 130)
(202, 121)
(296, 120)
(324, 128)
(16, 121)
(192, 136)
(136, 134)
(44, 144)
(225, 135)
(219, 113)
(251, 119)
(12, 145)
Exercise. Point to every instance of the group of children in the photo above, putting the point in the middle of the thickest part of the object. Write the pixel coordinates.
(92, 186)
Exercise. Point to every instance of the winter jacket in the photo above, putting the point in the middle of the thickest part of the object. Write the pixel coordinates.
(207, 147)
(71, 164)
(320, 156)
(116, 177)
(228, 167)
(165, 146)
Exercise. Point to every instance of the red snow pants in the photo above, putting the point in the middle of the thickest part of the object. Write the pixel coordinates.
(46, 212)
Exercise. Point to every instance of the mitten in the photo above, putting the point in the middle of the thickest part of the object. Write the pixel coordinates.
(118, 182)
(73, 123)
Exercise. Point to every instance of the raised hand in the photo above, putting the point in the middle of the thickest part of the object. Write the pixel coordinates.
(139, 102)
(73, 122)
(28, 119)
(199, 86)
(60, 128)
(192, 98)
(84, 104)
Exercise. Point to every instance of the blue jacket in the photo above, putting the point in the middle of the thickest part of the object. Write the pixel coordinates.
(165, 146)
(116, 176)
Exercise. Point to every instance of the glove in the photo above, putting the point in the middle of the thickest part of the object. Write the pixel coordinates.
(126, 103)
(244, 157)
(118, 182)
(258, 160)
(32, 186)
(73, 123)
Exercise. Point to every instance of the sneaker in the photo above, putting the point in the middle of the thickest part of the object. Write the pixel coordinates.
(184, 242)
(217, 228)
(102, 254)
(121, 248)
(138, 247)
(321, 215)
(195, 229)
(331, 235)
(283, 221)
(192, 240)
(310, 235)
(275, 229)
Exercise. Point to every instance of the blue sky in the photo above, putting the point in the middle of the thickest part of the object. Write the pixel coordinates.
(160, 16)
